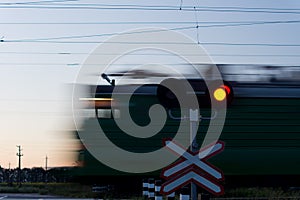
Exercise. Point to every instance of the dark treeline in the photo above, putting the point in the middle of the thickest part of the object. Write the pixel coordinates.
(35, 175)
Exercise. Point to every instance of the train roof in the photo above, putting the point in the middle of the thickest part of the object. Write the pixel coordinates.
(253, 81)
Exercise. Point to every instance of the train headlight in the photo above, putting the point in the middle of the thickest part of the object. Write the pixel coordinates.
(98, 102)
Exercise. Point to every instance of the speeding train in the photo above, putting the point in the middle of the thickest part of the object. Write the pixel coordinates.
(261, 132)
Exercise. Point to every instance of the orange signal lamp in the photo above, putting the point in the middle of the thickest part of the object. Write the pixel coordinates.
(220, 94)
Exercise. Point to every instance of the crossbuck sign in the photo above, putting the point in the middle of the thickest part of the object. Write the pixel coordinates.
(193, 167)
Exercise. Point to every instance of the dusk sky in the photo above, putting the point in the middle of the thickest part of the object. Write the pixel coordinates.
(44, 43)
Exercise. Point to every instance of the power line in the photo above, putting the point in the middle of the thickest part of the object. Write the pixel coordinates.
(34, 2)
(176, 7)
(129, 6)
(211, 23)
(156, 8)
(119, 65)
(150, 54)
(150, 31)
(101, 35)
(149, 43)
(250, 44)
(79, 64)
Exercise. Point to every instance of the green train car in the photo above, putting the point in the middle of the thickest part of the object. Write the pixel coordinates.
(261, 133)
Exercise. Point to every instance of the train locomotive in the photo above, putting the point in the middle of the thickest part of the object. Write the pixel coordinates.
(261, 130)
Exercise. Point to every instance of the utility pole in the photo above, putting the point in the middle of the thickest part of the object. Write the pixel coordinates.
(46, 168)
(8, 178)
(46, 163)
(19, 154)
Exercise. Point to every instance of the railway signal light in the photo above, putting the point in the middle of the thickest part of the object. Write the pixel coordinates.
(219, 94)
(223, 93)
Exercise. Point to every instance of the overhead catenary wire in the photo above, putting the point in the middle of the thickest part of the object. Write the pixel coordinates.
(51, 39)
(170, 6)
(65, 3)
(105, 64)
(146, 54)
(101, 35)
(35, 2)
(154, 8)
(208, 23)
(69, 39)
(158, 43)
(222, 24)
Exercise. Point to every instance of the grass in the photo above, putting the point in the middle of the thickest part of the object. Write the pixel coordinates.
(262, 192)
(57, 189)
(76, 190)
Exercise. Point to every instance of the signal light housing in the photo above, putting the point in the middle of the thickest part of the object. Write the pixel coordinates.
(218, 96)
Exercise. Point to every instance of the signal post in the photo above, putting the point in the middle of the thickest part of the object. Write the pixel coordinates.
(194, 118)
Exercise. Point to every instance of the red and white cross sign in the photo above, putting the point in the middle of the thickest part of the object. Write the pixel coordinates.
(193, 167)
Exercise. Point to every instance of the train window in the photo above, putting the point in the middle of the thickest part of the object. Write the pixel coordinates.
(89, 113)
(117, 113)
(107, 113)
(104, 113)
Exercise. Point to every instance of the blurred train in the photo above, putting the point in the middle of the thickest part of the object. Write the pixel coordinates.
(261, 130)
